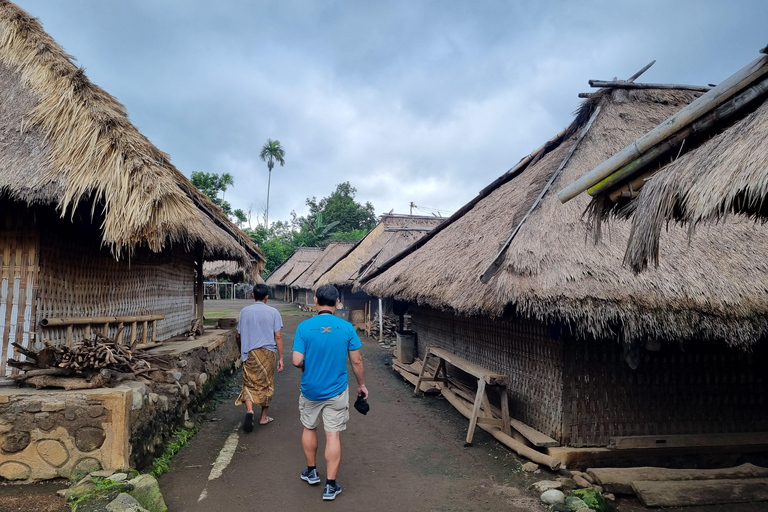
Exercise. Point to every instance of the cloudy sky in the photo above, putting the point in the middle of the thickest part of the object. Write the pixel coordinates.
(410, 101)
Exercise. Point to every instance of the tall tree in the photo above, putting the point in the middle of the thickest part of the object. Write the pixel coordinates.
(271, 152)
(211, 184)
(336, 217)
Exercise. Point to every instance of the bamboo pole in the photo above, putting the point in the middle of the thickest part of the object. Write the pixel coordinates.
(724, 111)
(645, 68)
(154, 330)
(699, 107)
(134, 329)
(621, 84)
(144, 332)
(515, 445)
(85, 320)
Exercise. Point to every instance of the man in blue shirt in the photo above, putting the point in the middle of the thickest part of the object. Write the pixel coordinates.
(261, 345)
(320, 348)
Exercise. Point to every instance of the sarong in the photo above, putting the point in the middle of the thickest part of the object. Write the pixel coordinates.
(258, 377)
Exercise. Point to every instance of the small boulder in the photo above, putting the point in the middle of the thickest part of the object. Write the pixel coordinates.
(530, 467)
(568, 483)
(552, 496)
(545, 485)
(147, 491)
(581, 482)
(575, 504)
(81, 489)
(609, 497)
(125, 503)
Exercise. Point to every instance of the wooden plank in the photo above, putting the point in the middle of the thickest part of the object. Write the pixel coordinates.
(471, 368)
(619, 480)
(533, 436)
(699, 492)
(745, 438)
(427, 389)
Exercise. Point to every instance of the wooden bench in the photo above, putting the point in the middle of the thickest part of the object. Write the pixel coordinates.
(481, 411)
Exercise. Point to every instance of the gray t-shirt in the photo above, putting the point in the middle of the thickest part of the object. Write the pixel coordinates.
(257, 327)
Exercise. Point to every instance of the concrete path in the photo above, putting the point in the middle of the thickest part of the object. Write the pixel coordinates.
(406, 454)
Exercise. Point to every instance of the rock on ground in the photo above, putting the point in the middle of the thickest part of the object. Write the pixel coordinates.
(125, 503)
(147, 491)
(552, 496)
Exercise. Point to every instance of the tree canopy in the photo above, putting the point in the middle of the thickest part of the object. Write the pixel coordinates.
(211, 184)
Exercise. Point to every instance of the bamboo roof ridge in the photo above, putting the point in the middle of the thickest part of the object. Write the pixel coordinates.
(70, 144)
(329, 257)
(551, 272)
(378, 246)
(293, 267)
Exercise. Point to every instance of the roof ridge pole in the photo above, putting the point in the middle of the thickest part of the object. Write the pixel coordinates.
(699, 107)
(496, 264)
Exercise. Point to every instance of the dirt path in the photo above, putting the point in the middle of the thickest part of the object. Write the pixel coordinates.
(406, 454)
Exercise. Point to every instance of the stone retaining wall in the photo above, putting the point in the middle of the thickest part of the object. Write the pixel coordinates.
(52, 433)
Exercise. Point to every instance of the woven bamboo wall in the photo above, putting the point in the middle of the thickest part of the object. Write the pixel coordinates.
(19, 254)
(78, 279)
(690, 388)
(521, 349)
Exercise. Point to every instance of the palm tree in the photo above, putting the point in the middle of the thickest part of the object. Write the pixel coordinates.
(271, 152)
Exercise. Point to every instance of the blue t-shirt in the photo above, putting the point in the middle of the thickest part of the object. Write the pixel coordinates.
(325, 340)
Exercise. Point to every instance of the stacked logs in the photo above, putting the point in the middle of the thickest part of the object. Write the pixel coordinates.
(89, 363)
(390, 327)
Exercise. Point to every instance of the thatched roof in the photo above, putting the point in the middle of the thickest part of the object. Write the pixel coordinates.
(552, 272)
(293, 267)
(391, 235)
(326, 260)
(67, 143)
(231, 271)
(728, 174)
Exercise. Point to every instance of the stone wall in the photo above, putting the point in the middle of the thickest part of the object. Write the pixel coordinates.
(52, 433)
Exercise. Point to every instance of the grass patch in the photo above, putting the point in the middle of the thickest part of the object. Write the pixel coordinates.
(180, 437)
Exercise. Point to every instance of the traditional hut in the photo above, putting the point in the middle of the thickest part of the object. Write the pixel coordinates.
(392, 234)
(594, 353)
(304, 286)
(96, 221)
(282, 278)
(718, 166)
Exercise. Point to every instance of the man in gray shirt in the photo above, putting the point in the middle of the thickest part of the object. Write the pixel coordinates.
(261, 344)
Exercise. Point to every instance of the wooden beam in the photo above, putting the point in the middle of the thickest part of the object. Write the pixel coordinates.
(645, 68)
(621, 84)
(675, 441)
(696, 492)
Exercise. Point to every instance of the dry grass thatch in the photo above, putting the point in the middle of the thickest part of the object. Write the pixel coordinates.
(378, 246)
(727, 174)
(326, 260)
(293, 268)
(230, 270)
(554, 273)
(68, 143)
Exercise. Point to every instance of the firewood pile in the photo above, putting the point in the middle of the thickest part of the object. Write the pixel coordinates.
(390, 327)
(90, 363)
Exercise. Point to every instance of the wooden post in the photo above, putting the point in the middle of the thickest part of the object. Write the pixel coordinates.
(119, 335)
(421, 373)
(200, 288)
(88, 331)
(69, 336)
(144, 333)
(133, 332)
(106, 330)
(476, 410)
(504, 395)
(154, 330)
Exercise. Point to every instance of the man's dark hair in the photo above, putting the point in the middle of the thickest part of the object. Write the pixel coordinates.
(260, 291)
(327, 295)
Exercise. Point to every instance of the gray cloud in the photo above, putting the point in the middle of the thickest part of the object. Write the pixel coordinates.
(409, 101)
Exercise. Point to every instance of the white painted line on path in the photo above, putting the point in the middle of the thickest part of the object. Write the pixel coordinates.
(222, 461)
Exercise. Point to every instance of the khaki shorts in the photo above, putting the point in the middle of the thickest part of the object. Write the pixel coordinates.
(334, 411)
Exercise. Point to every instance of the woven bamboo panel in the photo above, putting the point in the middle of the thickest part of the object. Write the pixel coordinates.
(690, 388)
(77, 278)
(19, 254)
(520, 348)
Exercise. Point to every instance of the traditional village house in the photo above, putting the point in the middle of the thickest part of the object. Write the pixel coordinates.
(96, 221)
(392, 234)
(282, 278)
(304, 287)
(719, 167)
(596, 354)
